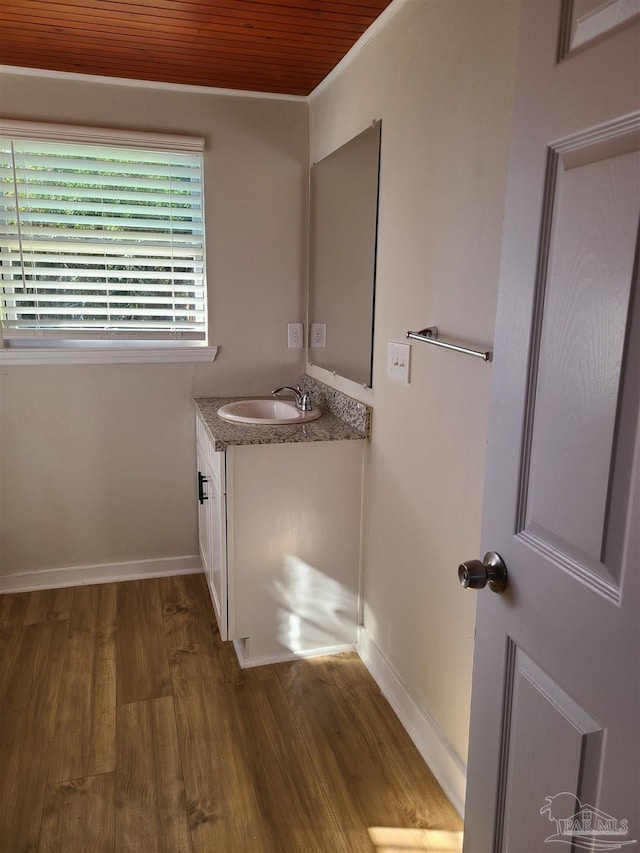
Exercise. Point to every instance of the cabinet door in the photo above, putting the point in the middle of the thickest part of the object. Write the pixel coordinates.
(212, 524)
(204, 515)
(217, 521)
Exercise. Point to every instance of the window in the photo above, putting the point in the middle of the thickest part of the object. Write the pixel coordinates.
(101, 238)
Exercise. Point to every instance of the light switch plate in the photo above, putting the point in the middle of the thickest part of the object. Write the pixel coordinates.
(398, 359)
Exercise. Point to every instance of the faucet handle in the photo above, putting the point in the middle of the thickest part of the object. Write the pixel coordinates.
(305, 401)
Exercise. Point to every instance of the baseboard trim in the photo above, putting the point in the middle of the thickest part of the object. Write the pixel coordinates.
(100, 573)
(431, 743)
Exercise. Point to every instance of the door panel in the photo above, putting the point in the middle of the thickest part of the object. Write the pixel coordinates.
(554, 739)
(584, 300)
(540, 712)
(587, 20)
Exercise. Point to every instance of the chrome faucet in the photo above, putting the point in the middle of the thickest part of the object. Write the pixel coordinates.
(303, 400)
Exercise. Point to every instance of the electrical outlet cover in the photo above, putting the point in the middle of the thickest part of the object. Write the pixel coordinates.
(318, 335)
(295, 335)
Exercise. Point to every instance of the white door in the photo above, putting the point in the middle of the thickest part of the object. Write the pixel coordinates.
(554, 747)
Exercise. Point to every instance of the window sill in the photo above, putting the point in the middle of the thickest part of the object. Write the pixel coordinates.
(106, 355)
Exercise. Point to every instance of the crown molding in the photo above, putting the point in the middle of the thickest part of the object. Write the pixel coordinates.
(147, 84)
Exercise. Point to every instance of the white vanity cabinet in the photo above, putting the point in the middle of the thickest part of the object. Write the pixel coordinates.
(284, 572)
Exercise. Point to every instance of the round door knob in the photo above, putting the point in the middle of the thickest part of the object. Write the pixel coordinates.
(491, 572)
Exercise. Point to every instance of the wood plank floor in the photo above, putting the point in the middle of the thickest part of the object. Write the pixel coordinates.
(127, 725)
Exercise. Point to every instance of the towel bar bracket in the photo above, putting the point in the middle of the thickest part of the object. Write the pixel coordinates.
(429, 332)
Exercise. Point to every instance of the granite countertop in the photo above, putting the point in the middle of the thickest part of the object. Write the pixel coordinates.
(328, 427)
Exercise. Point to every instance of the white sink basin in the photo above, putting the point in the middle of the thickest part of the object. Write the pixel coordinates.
(266, 412)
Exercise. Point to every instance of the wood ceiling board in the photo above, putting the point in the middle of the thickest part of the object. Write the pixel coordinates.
(280, 46)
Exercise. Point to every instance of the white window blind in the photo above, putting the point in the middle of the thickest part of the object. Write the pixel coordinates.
(101, 241)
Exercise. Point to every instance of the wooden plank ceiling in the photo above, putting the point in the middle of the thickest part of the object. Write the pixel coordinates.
(279, 46)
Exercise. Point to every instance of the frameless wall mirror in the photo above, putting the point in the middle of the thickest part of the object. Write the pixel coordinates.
(342, 257)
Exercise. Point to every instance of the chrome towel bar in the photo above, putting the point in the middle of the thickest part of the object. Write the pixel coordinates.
(430, 336)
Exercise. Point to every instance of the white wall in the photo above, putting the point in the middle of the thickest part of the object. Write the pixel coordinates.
(97, 463)
(440, 75)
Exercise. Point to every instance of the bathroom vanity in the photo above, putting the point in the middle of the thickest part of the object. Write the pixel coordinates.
(280, 520)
